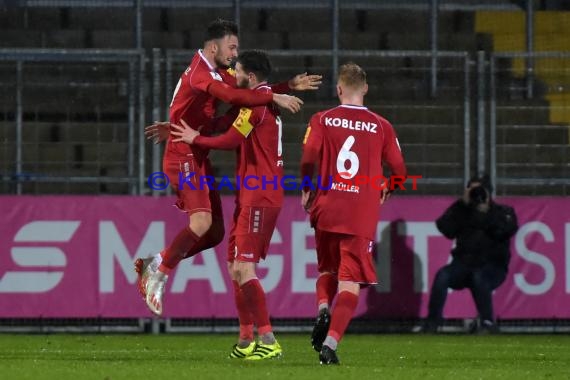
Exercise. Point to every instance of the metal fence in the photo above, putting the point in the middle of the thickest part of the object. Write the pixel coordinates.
(529, 147)
(72, 121)
(327, 8)
(434, 133)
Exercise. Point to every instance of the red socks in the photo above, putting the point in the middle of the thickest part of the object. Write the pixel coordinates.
(213, 237)
(327, 285)
(255, 300)
(245, 317)
(342, 314)
(181, 244)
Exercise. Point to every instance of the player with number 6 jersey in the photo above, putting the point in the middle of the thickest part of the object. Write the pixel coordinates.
(349, 142)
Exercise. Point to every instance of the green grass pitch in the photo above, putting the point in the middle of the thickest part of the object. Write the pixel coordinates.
(205, 356)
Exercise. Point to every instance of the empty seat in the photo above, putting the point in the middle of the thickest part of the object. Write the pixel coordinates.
(194, 18)
(101, 18)
(43, 18)
(57, 38)
(113, 39)
(316, 40)
(20, 38)
(261, 40)
(163, 40)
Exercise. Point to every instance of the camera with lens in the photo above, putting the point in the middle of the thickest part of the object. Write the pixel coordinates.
(478, 195)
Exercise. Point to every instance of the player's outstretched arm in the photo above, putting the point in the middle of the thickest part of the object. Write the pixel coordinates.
(220, 124)
(289, 102)
(300, 82)
(238, 96)
(227, 141)
(312, 145)
(183, 133)
(305, 82)
(251, 98)
(158, 131)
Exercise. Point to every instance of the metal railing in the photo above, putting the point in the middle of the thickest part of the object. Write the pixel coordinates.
(533, 147)
(446, 161)
(522, 142)
(387, 95)
(335, 7)
(47, 94)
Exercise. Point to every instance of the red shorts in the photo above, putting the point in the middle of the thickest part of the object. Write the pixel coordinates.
(348, 256)
(251, 232)
(187, 178)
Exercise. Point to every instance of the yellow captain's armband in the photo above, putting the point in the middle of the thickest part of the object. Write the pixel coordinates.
(307, 134)
(241, 123)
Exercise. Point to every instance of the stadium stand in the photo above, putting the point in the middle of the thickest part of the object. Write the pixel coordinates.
(431, 129)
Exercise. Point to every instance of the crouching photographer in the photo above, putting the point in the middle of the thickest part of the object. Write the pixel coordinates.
(482, 230)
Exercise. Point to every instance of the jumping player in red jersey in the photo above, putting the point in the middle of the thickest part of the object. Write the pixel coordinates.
(194, 101)
(350, 142)
(257, 131)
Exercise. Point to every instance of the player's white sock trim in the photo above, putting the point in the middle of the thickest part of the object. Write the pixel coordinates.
(331, 342)
(323, 305)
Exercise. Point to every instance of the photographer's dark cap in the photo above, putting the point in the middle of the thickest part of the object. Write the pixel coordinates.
(484, 180)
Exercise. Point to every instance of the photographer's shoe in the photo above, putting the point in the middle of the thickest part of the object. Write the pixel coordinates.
(488, 328)
(429, 327)
(328, 356)
(321, 329)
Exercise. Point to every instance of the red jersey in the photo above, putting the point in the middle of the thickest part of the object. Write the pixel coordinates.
(349, 141)
(260, 155)
(259, 170)
(194, 102)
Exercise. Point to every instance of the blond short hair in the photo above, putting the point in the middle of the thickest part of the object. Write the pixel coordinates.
(352, 75)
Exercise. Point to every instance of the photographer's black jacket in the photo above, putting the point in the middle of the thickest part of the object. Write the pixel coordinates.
(481, 238)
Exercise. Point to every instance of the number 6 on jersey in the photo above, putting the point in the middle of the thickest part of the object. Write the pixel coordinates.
(344, 155)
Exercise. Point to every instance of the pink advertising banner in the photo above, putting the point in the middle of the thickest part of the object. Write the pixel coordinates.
(72, 257)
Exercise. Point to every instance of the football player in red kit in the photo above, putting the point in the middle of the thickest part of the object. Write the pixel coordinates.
(349, 142)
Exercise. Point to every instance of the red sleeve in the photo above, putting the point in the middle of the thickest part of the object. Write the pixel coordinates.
(391, 153)
(281, 88)
(239, 97)
(228, 141)
(222, 123)
(239, 130)
(312, 145)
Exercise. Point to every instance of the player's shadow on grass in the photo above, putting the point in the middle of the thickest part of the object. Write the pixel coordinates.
(395, 299)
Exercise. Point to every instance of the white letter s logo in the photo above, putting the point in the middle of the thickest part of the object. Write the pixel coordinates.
(38, 281)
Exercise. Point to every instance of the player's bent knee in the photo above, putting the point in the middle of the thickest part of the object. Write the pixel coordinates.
(234, 273)
(200, 222)
(245, 271)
